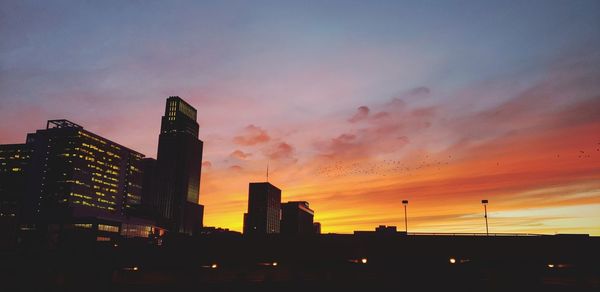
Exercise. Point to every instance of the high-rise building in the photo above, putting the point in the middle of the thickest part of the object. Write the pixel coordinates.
(179, 162)
(264, 209)
(296, 218)
(14, 161)
(75, 173)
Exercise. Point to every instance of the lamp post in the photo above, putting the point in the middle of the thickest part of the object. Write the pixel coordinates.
(405, 202)
(485, 202)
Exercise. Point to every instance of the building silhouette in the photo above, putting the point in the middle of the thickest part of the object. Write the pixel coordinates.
(178, 168)
(14, 162)
(297, 218)
(75, 173)
(264, 209)
(66, 184)
(149, 183)
(317, 228)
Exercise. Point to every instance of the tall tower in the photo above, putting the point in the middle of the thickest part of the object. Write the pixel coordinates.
(264, 209)
(179, 162)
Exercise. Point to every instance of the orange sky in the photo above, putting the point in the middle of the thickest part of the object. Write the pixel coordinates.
(535, 157)
(354, 105)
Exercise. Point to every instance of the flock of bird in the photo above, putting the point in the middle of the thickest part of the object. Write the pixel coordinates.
(389, 167)
(382, 168)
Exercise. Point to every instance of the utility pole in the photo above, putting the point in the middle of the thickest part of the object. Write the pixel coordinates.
(485, 202)
(405, 202)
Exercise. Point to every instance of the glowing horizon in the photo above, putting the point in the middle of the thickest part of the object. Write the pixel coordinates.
(355, 107)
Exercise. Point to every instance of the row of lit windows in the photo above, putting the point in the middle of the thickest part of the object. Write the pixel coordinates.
(88, 204)
(91, 137)
(103, 182)
(105, 176)
(112, 166)
(80, 196)
(108, 228)
(113, 154)
(77, 182)
(134, 230)
(101, 169)
(101, 200)
(110, 190)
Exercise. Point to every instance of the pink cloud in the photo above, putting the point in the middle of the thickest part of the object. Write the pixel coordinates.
(280, 150)
(235, 168)
(361, 114)
(206, 164)
(252, 135)
(241, 155)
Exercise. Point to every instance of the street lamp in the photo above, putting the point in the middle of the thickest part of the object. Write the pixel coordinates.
(405, 202)
(485, 202)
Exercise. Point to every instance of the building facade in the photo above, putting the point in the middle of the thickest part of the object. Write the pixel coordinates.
(178, 168)
(264, 209)
(76, 173)
(297, 218)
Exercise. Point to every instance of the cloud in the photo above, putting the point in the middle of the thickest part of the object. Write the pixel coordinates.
(281, 150)
(386, 131)
(252, 135)
(361, 114)
(235, 168)
(241, 155)
(418, 92)
(206, 164)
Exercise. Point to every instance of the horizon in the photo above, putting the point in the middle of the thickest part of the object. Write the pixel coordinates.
(354, 107)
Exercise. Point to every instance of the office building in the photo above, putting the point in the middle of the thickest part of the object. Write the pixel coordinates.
(178, 168)
(297, 218)
(264, 209)
(75, 173)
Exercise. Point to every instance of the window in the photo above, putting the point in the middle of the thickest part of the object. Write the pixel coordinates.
(108, 228)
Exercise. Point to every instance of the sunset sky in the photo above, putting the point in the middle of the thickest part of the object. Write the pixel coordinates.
(355, 105)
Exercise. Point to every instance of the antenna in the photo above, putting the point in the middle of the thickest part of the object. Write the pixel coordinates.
(267, 171)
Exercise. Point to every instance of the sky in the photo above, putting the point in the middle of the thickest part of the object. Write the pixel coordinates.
(354, 105)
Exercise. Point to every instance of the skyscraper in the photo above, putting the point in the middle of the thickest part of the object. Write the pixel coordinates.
(296, 218)
(179, 162)
(264, 209)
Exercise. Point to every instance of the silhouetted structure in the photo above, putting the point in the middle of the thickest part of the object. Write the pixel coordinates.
(381, 230)
(76, 173)
(264, 209)
(386, 229)
(297, 218)
(179, 163)
(14, 161)
(63, 181)
(317, 228)
(149, 182)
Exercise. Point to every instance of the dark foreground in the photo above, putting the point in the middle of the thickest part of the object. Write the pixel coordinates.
(324, 263)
